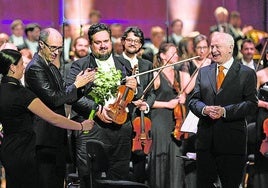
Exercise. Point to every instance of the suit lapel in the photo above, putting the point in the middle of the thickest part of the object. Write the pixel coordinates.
(212, 76)
(231, 74)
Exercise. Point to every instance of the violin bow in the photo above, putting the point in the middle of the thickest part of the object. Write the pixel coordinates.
(262, 54)
(194, 73)
(152, 81)
(164, 66)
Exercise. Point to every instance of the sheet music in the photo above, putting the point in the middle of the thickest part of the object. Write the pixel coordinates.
(190, 123)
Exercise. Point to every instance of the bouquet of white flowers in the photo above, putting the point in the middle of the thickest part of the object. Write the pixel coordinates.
(104, 87)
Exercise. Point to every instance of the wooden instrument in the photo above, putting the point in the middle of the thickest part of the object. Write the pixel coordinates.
(179, 115)
(142, 125)
(142, 129)
(117, 110)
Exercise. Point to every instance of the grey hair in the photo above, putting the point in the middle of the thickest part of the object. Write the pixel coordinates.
(44, 35)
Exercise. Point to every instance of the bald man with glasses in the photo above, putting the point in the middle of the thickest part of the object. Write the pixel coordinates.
(45, 80)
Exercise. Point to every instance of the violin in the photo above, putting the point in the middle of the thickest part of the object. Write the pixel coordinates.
(142, 125)
(179, 115)
(143, 138)
(264, 144)
(117, 111)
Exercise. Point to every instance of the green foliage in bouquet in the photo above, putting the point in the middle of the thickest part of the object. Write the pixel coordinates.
(105, 85)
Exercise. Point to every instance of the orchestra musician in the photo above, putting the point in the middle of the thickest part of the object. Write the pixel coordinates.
(259, 177)
(116, 138)
(166, 170)
(132, 41)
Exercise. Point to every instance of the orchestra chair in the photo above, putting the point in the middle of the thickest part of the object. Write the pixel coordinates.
(251, 150)
(98, 165)
(72, 181)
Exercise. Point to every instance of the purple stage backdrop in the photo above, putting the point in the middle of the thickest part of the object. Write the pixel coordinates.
(142, 13)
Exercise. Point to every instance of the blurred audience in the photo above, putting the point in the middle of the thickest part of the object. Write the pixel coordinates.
(221, 15)
(32, 32)
(176, 34)
(186, 48)
(157, 37)
(3, 38)
(67, 42)
(116, 34)
(248, 51)
(17, 36)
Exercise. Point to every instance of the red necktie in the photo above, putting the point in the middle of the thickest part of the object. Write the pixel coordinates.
(220, 76)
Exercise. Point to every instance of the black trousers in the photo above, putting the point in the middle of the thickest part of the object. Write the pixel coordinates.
(229, 169)
(51, 164)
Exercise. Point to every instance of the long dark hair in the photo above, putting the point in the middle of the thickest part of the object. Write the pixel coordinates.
(8, 57)
(158, 62)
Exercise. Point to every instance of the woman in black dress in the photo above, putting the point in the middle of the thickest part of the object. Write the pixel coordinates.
(166, 170)
(259, 177)
(16, 107)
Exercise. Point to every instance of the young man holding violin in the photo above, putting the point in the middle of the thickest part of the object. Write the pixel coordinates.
(132, 41)
(117, 138)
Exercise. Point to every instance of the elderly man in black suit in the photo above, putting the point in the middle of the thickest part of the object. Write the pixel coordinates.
(221, 135)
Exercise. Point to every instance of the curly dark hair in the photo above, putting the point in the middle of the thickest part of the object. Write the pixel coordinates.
(95, 28)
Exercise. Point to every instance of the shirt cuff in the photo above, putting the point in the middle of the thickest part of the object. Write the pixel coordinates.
(224, 113)
(147, 109)
(203, 111)
(136, 91)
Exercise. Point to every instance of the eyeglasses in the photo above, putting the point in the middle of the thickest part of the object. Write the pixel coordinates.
(137, 41)
(53, 48)
(201, 48)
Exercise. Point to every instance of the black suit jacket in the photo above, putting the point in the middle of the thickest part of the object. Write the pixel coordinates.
(143, 66)
(237, 95)
(46, 82)
(84, 104)
(256, 66)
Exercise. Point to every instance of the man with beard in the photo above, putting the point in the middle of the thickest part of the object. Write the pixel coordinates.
(132, 41)
(80, 47)
(116, 138)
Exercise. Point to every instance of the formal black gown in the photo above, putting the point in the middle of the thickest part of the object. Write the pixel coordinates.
(259, 173)
(18, 146)
(166, 169)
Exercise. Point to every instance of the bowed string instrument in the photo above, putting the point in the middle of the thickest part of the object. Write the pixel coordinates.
(125, 95)
(117, 110)
(180, 109)
(142, 125)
